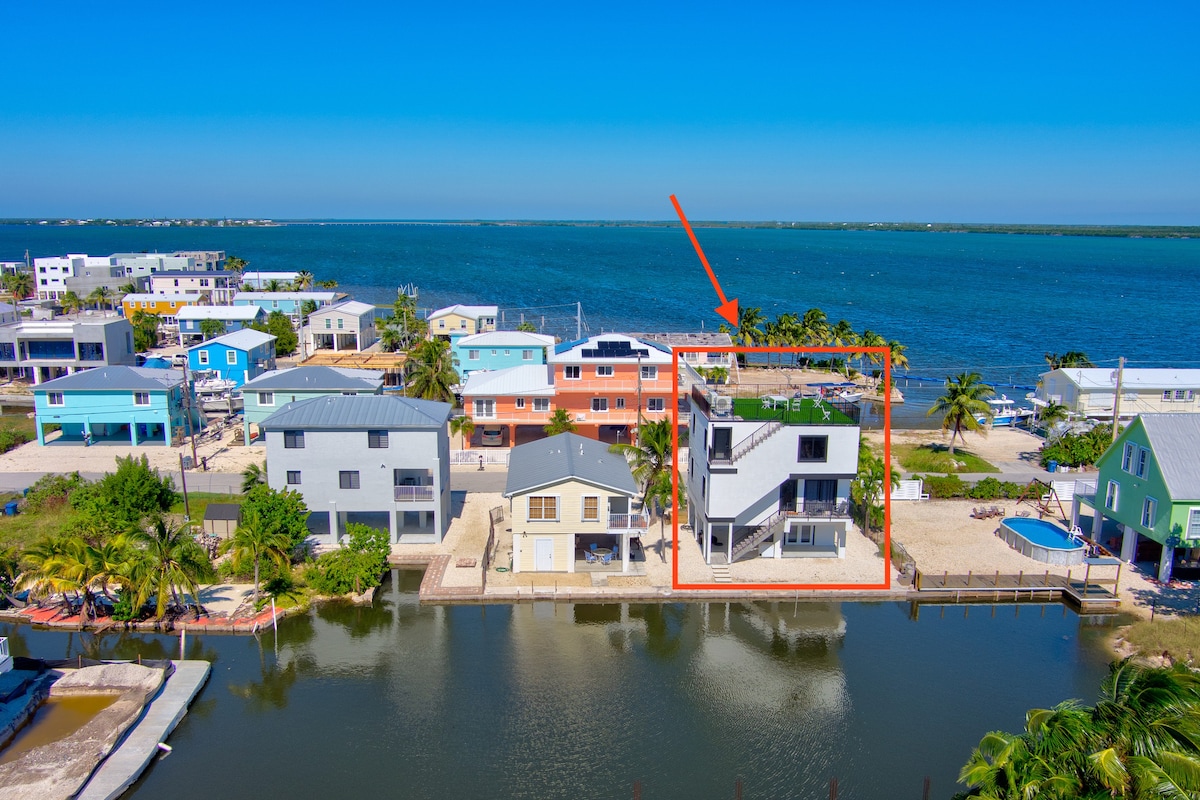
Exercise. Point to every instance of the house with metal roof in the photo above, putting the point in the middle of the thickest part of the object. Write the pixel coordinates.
(380, 460)
(129, 405)
(572, 506)
(500, 349)
(257, 280)
(217, 287)
(290, 303)
(1092, 392)
(239, 356)
(165, 306)
(232, 318)
(345, 326)
(462, 320)
(504, 400)
(609, 382)
(1145, 499)
(271, 391)
(43, 349)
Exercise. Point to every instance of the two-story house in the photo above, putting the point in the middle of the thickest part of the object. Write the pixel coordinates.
(1146, 496)
(572, 507)
(289, 303)
(231, 318)
(500, 350)
(462, 320)
(128, 405)
(381, 460)
(607, 383)
(1091, 392)
(769, 477)
(41, 350)
(166, 306)
(349, 325)
(217, 287)
(239, 356)
(504, 400)
(271, 391)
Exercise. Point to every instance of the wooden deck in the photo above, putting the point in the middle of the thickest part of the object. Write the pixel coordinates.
(1090, 594)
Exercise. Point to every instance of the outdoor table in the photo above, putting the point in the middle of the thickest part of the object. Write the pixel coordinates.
(777, 400)
(602, 551)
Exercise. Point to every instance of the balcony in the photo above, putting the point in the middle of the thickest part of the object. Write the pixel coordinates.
(628, 522)
(799, 411)
(413, 494)
(819, 509)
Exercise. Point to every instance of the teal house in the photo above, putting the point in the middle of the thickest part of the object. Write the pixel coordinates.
(1146, 499)
(499, 350)
(271, 391)
(239, 356)
(125, 405)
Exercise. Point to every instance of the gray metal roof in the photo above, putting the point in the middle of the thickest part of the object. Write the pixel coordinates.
(564, 457)
(230, 511)
(317, 379)
(1175, 440)
(115, 379)
(527, 379)
(358, 412)
(245, 339)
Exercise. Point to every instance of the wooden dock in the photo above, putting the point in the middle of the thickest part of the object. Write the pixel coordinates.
(1088, 593)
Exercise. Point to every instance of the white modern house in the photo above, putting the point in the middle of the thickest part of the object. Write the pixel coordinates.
(770, 477)
(1091, 392)
(42, 350)
(346, 326)
(381, 460)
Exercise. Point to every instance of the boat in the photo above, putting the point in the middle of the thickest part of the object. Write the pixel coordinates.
(1005, 413)
(838, 392)
(216, 394)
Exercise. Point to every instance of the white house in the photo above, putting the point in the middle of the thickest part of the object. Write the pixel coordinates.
(770, 477)
(1090, 392)
(349, 325)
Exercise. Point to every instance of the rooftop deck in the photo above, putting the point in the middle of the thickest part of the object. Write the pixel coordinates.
(789, 411)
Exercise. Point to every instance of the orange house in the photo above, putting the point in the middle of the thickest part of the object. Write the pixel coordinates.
(164, 305)
(505, 399)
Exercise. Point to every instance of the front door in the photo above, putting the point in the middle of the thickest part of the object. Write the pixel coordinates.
(543, 555)
(787, 495)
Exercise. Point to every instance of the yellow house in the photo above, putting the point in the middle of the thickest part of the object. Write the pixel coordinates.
(460, 320)
(572, 508)
(164, 305)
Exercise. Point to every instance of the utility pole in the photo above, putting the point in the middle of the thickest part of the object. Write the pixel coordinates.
(1117, 396)
(578, 321)
(188, 402)
(187, 510)
(639, 399)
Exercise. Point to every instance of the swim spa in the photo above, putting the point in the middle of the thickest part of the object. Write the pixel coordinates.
(1042, 541)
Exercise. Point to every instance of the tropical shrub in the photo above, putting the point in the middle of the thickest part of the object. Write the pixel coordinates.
(53, 490)
(1078, 449)
(986, 489)
(356, 567)
(10, 438)
(945, 487)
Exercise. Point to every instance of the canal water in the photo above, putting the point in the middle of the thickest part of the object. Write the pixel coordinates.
(581, 701)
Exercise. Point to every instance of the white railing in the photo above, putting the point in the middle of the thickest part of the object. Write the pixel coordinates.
(628, 522)
(413, 494)
(490, 456)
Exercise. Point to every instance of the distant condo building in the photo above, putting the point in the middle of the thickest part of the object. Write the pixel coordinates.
(83, 274)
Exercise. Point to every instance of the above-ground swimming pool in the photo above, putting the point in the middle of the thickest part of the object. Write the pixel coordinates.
(1042, 541)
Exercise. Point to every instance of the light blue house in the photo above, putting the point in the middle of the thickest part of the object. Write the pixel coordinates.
(232, 318)
(289, 303)
(272, 390)
(239, 356)
(500, 350)
(120, 404)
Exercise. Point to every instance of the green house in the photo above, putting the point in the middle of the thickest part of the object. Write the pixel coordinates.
(1148, 490)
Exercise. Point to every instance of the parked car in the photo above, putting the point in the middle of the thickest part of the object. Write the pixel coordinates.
(492, 437)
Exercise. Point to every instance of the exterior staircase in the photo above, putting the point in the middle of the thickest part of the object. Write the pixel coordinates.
(760, 436)
(721, 573)
(773, 526)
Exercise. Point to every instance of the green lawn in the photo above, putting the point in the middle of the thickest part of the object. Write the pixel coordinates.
(198, 501)
(24, 529)
(19, 422)
(936, 458)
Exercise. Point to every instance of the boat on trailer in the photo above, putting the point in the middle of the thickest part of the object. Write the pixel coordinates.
(215, 394)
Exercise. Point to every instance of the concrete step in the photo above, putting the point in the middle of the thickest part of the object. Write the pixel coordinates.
(721, 573)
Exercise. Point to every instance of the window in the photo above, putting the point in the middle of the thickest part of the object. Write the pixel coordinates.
(485, 409)
(266, 398)
(328, 323)
(527, 355)
(543, 509)
(341, 323)
(703, 486)
(1127, 457)
(571, 373)
(202, 358)
(541, 404)
(441, 324)
(1149, 508)
(293, 440)
(1143, 457)
(600, 404)
(620, 403)
(520, 403)
(493, 353)
(348, 479)
(604, 370)
(293, 477)
(813, 448)
(656, 404)
(231, 356)
(800, 534)
(54, 399)
(377, 439)
(1193, 528)
(141, 398)
(591, 509)
(649, 373)
(1112, 495)
(472, 355)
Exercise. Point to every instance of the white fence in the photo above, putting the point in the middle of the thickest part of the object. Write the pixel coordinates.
(489, 455)
(909, 490)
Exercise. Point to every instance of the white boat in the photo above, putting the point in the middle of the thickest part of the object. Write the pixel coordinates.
(839, 392)
(216, 394)
(1005, 412)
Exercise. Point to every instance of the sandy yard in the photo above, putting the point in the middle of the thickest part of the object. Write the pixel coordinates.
(101, 457)
(1007, 448)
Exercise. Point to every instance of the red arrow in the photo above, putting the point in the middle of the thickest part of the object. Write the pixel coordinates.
(728, 309)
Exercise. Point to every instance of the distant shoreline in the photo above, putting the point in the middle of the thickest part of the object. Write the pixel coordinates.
(1114, 231)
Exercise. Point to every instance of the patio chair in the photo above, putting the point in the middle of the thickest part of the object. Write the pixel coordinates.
(606, 559)
(616, 551)
(589, 557)
(593, 546)
(768, 403)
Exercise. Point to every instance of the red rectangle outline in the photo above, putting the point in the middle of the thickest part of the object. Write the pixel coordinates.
(887, 472)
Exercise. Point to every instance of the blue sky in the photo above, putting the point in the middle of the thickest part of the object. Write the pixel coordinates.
(1039, 112)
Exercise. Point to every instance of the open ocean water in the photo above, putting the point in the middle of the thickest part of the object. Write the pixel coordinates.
(991, 303)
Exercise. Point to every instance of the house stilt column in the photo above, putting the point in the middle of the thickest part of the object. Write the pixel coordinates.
(1165, 562)
(1128, 543)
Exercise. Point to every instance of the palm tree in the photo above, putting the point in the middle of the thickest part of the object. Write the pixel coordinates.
(842, 335)
(211, 328)
(814, 329)
(870, 338)
(1071, 359)
(866, 489)
(659, 494)
(963, 401)
(101, 296)
(253, 475)
(327, 284)
(272, 285)
(896, 354)
(650, 457)
(235, 264)
(21, 285)
(527, 327)
(64, 564)
(255, 540)
(1052, 414)
(560, 422)
(171, 558)
(749, 330)
(462, 425)
(304, 280)
(71, 302)
(431, 371)
(128, 288)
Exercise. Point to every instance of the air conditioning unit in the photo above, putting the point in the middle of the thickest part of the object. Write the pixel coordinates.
(580, 417)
